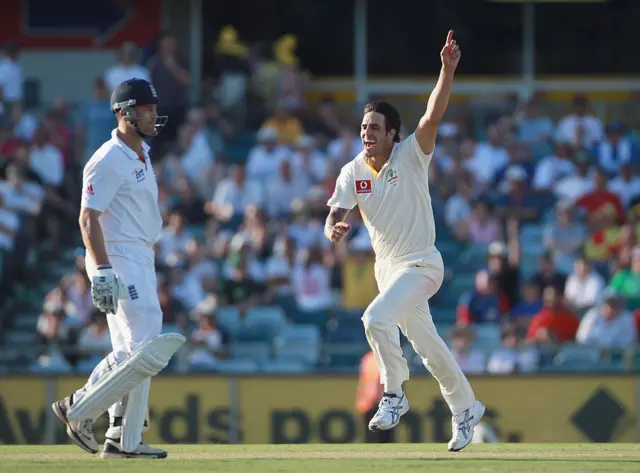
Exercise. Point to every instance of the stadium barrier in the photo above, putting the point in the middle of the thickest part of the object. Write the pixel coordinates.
(319, 409)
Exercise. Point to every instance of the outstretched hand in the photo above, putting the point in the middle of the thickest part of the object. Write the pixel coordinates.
(450, 53)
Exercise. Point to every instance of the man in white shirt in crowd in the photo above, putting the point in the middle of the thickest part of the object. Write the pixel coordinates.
(126, 68)
(388, 180)
(120, 220)
(584, 286)
(233, 194)
(265, 157)
(580, 128)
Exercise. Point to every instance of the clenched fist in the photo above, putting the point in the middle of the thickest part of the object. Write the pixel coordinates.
(338, 231)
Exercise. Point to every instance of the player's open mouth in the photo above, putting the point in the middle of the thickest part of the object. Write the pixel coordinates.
(369, 144)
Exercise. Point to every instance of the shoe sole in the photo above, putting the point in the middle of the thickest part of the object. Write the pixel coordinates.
(471, 436)
(70, 433)
(126, 456)
(375, 428)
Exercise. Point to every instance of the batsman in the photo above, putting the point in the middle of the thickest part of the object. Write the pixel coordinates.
(120, 220)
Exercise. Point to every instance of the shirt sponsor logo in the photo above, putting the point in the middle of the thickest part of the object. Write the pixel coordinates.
(89, 190)
(363, 187)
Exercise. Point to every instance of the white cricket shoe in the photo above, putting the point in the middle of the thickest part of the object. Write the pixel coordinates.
(390, 409)
(463, 424)
(112, 449)
(80, 432)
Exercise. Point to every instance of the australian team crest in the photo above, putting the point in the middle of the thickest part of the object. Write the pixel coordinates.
(392, 176)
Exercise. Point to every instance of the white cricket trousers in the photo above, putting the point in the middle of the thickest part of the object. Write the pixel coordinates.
(138, 319)
(405, 286)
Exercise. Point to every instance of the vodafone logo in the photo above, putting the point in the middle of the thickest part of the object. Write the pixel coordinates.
(363, 187)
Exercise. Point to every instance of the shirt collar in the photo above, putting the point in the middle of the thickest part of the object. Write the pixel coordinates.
(128, 151)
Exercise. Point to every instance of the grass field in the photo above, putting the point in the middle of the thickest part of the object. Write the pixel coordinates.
(431, 458)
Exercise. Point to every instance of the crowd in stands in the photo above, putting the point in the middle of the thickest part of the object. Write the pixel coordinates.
(537, 219)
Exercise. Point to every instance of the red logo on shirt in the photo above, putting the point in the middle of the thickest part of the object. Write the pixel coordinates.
(90, 190)
(363, 187)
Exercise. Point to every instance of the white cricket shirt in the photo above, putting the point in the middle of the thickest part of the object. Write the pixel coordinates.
(122, 185)
(395, 203)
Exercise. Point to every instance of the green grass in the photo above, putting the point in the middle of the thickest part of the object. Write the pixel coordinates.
(431, 458)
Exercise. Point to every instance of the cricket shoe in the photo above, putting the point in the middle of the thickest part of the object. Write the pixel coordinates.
(112, 449)
(390, 409)
(462, 426)
(80, 432)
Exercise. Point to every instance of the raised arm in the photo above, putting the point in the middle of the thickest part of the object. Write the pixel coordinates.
(427, 129)
(335, 228)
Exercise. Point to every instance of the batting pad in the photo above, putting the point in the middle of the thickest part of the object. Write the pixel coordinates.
(146, 361)
(134, 415)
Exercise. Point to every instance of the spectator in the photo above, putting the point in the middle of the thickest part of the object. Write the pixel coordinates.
(503, 264)
(533, 127)
(346, 146)
(285, 122)
(174, 236)
(482, 304)
(518, 157)
(601, 203)
(514, 356)
(284, 189)
(626, 185)
(11, 74)
(173, 311)
(609, 325)
(96, 121)
(197, 160)
(9, 225)
(241, 286)
(46, 160)
(126, 68)
(530, 302)
(547, 275)
(312, 282)
(626, 282)
(470, 359)
(564, 237)
(265, 158)
(580, 128)
(94, 342)
(308, 162)
(553, 169)
(359, 286)
(171, 79)
(324, 126)
(584, 286)
(616, 150)
(52, 327)
(232, 195)
(80, 307)
(488, 157)
(458, 206)
(518, 202)
(208, 340)
(280, 266)
(575, 185)
(554, 324)
(480, 227)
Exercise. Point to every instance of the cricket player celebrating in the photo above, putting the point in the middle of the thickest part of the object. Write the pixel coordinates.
(120, 220)
(388, 181)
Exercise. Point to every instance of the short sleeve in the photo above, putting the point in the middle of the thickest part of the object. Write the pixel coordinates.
(414, 148)
(100, 183)
(344, 195)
